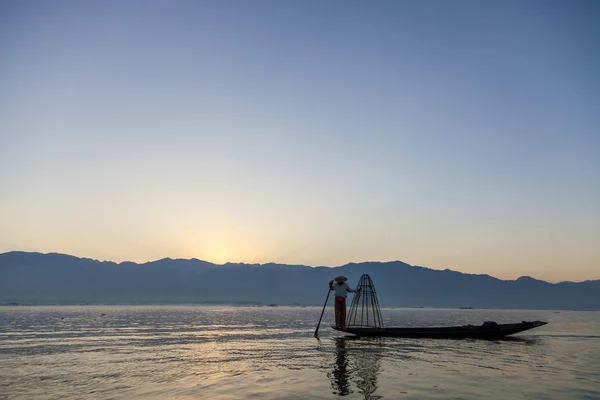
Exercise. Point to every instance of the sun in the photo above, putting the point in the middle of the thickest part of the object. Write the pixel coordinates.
(219, 253)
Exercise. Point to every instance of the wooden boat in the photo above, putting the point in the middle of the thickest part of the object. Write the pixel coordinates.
(485, 331)
(364, 319)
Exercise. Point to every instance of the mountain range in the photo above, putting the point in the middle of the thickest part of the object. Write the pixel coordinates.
(35, 278)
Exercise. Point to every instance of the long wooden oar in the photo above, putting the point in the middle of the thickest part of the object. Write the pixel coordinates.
(322, 312)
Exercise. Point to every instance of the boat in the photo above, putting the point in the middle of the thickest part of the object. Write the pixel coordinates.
(484, 331)
(364, 319)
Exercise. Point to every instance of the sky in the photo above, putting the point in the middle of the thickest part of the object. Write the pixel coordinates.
(461, 135)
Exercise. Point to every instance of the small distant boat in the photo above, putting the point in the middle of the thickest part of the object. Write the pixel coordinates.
(466, 308)
(364, 319)
(489, 330)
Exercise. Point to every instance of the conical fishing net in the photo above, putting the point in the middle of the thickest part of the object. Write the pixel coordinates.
(364, 311)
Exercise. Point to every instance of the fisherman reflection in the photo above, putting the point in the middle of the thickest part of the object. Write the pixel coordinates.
(361, 368)
(340, 377)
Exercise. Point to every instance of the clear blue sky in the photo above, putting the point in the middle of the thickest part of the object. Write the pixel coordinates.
(461, 135)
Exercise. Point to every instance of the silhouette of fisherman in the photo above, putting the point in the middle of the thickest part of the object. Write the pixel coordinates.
(341, 290)
(340, 377)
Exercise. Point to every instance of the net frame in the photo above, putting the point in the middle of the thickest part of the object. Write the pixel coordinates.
(364, 311)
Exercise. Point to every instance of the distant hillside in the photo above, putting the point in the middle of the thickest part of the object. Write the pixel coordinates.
(34, 278)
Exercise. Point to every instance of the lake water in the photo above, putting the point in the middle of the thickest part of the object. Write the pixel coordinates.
(199, 352)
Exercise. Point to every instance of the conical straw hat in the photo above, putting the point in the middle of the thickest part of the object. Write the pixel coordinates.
(340, 279)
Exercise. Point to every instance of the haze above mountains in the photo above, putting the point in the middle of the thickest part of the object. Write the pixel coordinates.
(35, 278)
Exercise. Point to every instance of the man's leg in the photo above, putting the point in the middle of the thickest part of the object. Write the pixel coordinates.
(337, 312)
(343, 314)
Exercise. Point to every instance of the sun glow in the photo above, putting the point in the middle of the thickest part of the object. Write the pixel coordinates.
(219, 253)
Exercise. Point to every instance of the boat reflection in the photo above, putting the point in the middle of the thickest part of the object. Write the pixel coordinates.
(357, 361)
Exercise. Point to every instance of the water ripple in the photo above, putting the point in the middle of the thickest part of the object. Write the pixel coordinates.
(230, 352)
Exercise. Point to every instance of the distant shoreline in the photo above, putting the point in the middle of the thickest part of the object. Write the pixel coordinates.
(16, 305)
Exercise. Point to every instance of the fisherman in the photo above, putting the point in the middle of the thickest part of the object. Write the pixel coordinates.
(341, 290)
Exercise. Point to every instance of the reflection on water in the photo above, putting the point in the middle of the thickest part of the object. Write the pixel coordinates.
(356, 360)
(367, 367)
(340, 376)
(228, 353)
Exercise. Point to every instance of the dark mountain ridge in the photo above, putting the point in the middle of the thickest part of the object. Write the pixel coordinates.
(36, 278)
